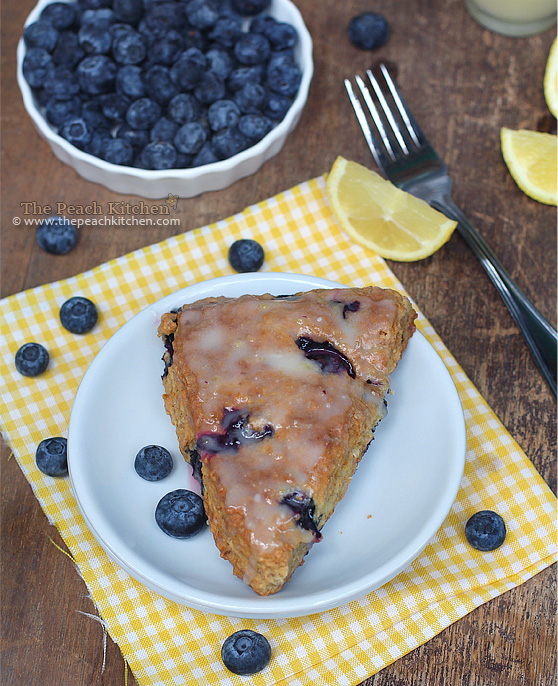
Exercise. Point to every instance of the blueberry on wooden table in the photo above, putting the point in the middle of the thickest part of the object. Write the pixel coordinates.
(31, 359)
(52, 456)
(78, 315)
(153, 463)
(485, 530)
(180, 513)
(56, 235)
(246, 652)
(368, 31)
(246, 255)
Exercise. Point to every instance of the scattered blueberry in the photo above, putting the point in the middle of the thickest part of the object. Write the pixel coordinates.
(180, 513)
(78, 315)
(368, 30)
(246, 255)
(56, 235)
(51, 456)
(246, 652)
(31, 359)
(153, 463)
(485, 530)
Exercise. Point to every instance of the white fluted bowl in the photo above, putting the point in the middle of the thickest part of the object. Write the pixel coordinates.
(185, 183)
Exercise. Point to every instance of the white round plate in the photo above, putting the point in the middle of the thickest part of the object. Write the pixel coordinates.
(397, 500)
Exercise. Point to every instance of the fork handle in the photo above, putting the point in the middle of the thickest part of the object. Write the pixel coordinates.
(541, 337)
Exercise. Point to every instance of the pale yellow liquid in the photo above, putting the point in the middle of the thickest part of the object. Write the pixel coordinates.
(514, 17)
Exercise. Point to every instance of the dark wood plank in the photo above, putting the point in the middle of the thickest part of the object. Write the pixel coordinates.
(463, 84)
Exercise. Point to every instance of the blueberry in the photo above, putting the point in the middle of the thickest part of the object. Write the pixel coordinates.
(236, 431)
(159, 155)
(188, 69)
(40, 34)
(283, 76)
(250, 98)
(37, 65)
(190, 138)
(114, 106)
(240, 76)
(485, 530)
(163, 130)
(328, 357)
(101, 16)
(95, 39)
(303, 508)
(129, 48)
(166, 49)
(248, 8)
(183, 108)
(58, 111)
(368, 30)
(180, 513)
(246, 255)
(229, 142)
(222, 114)
(92, 115)
(255, 126)
(226, 31)
(281, 36)
(129, 11)
(143, 113)
(159, 85)
(68, 52)
(153, 463)
(210, 88)
(261, 23)
(163, 16)
(118, 151)
(78, 315)
(276, 106)
(129, 81)
(52, 456)
(98, 143)
(246, 652)
(219, 62)
(205, 156)
(31, 359)
(61, 83)
(202, 14)
(252, 48)
(96, 74)
(76, 131)
(56, 235)
(61, 15)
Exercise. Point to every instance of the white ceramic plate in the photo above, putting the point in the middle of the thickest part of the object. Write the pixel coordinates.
(399, 497)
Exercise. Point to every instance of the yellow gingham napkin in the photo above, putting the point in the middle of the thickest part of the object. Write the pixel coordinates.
(165, 643)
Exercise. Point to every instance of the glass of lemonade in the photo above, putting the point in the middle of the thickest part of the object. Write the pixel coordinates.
(514, 17)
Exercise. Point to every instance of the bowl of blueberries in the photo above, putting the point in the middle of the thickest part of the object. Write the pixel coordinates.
(160, 97)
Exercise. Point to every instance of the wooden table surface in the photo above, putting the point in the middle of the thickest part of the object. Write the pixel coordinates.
(463, 84)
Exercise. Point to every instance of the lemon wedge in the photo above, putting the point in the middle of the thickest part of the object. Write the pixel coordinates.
(531, 159)
(551, 79)
(383, 218)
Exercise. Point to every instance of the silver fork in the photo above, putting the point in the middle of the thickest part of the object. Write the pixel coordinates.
(407, 159)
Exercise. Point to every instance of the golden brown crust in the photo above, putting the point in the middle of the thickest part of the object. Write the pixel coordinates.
(241, 359)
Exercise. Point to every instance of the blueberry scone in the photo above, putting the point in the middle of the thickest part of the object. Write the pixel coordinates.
(275, 399)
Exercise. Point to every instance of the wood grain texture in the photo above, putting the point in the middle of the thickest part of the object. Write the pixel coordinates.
(463, 84)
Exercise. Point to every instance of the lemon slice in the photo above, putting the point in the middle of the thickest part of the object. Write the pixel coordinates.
(531, 160)
(383, 218)
(551, 79)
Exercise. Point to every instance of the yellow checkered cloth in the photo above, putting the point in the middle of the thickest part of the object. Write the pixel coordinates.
(165, 643)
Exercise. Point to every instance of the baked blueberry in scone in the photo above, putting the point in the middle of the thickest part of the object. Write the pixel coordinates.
(275, 400)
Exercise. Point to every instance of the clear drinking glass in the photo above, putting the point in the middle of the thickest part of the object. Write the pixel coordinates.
(514, 17)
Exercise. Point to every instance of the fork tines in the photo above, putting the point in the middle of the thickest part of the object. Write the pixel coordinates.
(397, 129)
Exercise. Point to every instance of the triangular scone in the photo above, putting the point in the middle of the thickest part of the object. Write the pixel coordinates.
(275, 400)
